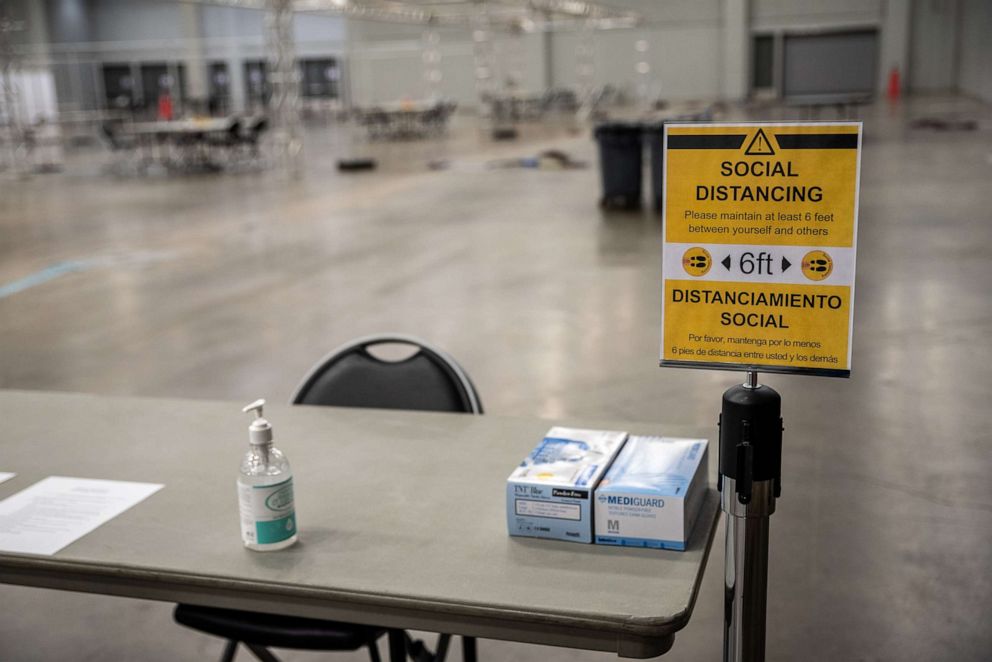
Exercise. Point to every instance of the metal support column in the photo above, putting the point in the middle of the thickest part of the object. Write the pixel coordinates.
(643, 70)
(750, 481)
(585, 69)
(284, 107)
(431, 56)
(485, 76)
(547, 41)
(13, 133)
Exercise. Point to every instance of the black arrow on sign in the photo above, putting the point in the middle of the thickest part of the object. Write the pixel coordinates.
(726, 263)
(785, 264)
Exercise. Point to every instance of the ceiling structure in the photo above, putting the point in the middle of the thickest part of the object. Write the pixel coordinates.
(523, 15)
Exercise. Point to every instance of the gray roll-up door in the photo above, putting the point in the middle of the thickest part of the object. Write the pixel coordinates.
(835, 64)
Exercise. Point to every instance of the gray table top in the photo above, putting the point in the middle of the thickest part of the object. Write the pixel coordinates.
(401, 519)
(186, 126)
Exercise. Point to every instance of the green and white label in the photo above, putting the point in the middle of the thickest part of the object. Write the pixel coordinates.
(268, 514)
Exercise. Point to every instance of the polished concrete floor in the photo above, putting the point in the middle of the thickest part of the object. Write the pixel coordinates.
(229, 286)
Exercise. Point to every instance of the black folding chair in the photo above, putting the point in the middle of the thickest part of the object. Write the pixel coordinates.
(353, 376)
(426, 380)
(123, 145)
(251, 135)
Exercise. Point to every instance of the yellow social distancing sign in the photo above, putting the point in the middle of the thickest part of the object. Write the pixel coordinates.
(760, 239)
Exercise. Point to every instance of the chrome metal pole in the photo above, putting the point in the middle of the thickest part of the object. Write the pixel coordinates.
(750, 475)
(746, 572)
(752, 379)
(284, 77)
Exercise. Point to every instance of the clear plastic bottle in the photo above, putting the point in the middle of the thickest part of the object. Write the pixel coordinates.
(265, 490)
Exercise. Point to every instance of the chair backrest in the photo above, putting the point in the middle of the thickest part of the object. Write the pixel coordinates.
(109, 131)
(351, 376)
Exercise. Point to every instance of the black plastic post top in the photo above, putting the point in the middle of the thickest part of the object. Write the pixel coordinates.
(751, 438)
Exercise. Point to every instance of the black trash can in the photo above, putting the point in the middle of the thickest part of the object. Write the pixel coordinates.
(654, 136)
(620, 164)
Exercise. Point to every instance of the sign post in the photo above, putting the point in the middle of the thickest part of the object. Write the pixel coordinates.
(760, 237)
(750, 480)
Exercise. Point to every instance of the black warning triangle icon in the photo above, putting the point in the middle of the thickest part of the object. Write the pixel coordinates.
(759, 145)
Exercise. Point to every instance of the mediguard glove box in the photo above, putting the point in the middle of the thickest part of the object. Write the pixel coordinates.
(550, 494)
(652, 493)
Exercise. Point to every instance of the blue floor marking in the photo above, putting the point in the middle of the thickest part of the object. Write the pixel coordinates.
(41, 277)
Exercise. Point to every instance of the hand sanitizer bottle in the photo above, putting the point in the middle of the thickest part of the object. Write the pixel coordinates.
(265, 490)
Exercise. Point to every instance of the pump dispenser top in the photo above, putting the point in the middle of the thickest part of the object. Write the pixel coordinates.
(265, 489)
(260, 430)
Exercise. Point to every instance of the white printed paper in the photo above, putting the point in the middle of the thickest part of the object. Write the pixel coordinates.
(56, 511)
(4, 475)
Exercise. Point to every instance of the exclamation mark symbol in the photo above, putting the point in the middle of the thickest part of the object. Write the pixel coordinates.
(759, 145)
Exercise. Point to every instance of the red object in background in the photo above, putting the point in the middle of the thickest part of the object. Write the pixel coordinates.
(165, 106)
(895, 86)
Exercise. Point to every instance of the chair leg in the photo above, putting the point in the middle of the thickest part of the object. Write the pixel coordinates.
(374, 651)
(262, 653)
(230, 650)
(397, 646)
(469, 651)
(442, 647)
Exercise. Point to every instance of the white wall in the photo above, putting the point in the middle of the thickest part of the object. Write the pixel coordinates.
(975, 54)
(697, 49)
(234, 36)
(103, 31)
(387, 72)
(35, 99)
(736, 50)
(889, 17)
(770, 15)
(35, 25)
(701, 49)
(933, 46)
(385, 62)
(684, 62)
(69, 20)
(136, 20)
(894, 53)
(685, 47)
